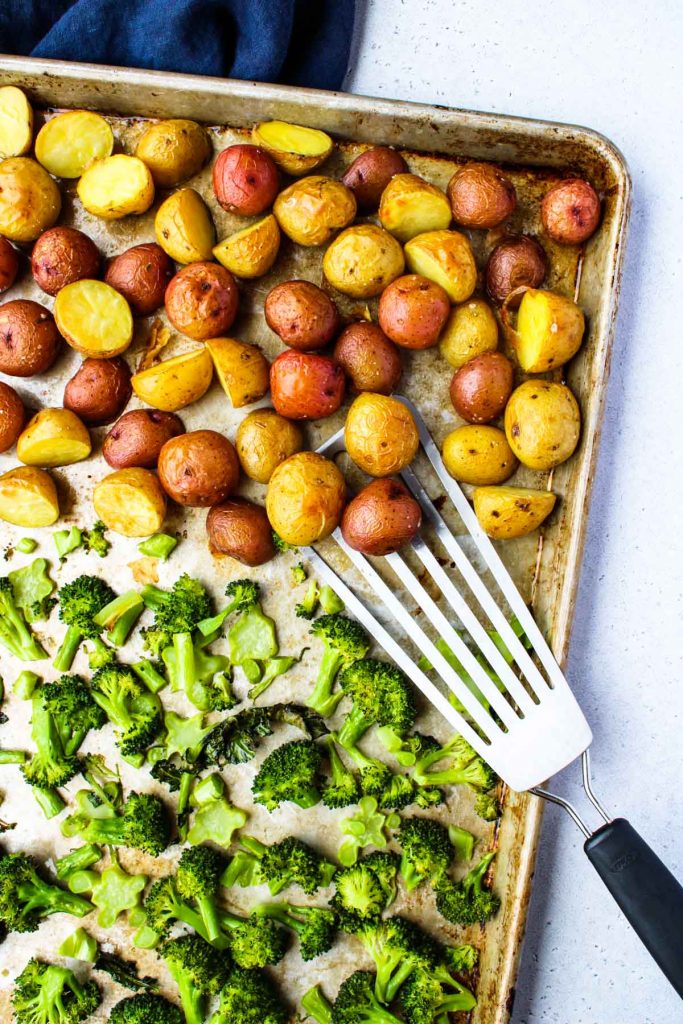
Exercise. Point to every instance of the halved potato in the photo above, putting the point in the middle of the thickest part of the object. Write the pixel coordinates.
(29, 199)
(67, 144)
(252, 251)
(242, 369)
(174, 383)
(506, 512)
(549, 330)
(131, 502)
(184, 228)
(410, 206)
(445, 257)
(174, 150)
(28, 497)
(54, 437)
(16, 122)
(94, 318)
(116, 186)
(296, 149)
(363, 260)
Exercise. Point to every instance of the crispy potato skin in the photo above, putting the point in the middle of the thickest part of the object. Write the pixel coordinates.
(54, 437)
(174, 150)
(314, 208)
(481, 196)
(305, 498)
(241, 529)
(301, 314)
(516, 262)
(99, 391)
(380, 434)
(471, 329)
(508, 512)
(381, 518)
(9, 264)
(542, 423)
(12, 416)
(61, 256)
(306, 386)
(242, 369)
(264, 440)
(413, 311)
(29, 339)
(130, 502)
(362, 260)
(137, 438)
(480, 389)
(29, 199)
(199, 468)
(28, 497)
(141, 274)
(478, 455)
(570, 211)
(202, 300)
(368, 358)
(245, 179)
(371, 172)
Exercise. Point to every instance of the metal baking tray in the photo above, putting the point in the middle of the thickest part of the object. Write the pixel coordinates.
(434, 139)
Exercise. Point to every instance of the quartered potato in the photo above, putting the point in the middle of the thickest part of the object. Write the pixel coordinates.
(363, 260)
(174, 383)
(542, 423)
(94, 318)
(184, 228)
(410, 205)
(54, 437)
(28, 497)
(29, 199)
(252, 251)
(242, 369)
(445, 257)
(16, 122)
(174, 150)
(549, 330)
(296, 149)
(67, 144)
(507, 512)
(131, 502)
(116, 186)
(313, 209)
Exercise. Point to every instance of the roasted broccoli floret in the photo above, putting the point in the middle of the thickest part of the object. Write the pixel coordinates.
(134, 712)
(344, 641)
(315, 926)
(177, 613)
(235, 739)
(426, 851)
(164, 905)
(306, 609)
(249, 997)
(198, 879)
(79, 603)
(253, 941)
(73, 710)
(290, 861)
(464, 766)
(94, 539)
(461, 959)
(299, 574)
(343, 787)
(356, 1002)
(142, 824)
(241, 594)
(198, 970)
(25, 899)
(398, 947)
(15, 634)
(359, 895)
(486, 806)
(431, 994)
(47, 994)
(146, 1008)
(381, 694)
(467, 901)
(289, 773)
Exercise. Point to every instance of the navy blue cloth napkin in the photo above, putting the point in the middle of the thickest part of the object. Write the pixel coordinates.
(297, 42)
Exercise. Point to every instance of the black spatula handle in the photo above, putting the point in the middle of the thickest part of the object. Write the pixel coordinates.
(646, 891)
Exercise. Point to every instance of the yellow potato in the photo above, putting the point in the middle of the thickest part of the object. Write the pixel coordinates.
(174, 383)
(54, 437)
(252, 251)
(242, 369)
(94, 318)
(313, 209)
(28, 497)
(445, 257)
(67, 144)
(363, 260)
(542, 423)
(481, 455)
(410, 206)
(296, 149)
(184, 228)
(29, 199)
(174, 151)
(264, 440)
(380, 434)
(549, 331)
(305, 498)
(131, 502)
(471, 329)
(116, 186)
(507, 512)
(16, 122)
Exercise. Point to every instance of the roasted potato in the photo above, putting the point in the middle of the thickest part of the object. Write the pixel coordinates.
(242, 369)
(199, 468)
(99, 391)
(141, 274)
(54, 437)
(12, 416)
(306, 386)
(549, 330)
(410, 206)
(542, 423)
(305, 498)
(363, 260)
(29, 339)
(478, 455)
(480, 389)
(470, 330)
(9, 264)
(174, 150)
(202, 301)
(368, 358)
(413, 311)
(138, 437)
(570, 211)
(28, 497)
(174, 383)
(381, 518)
(446, 258)
(29, 199)
(481, 196)
(184, 228)
(69, 142)
(252, 251)
(507, 512)
(297, 150)
(264, 440)
(94, 318)
(16, 122)
(518, 261)
(301, 314)
(380, 434)
(241, 529)
(61, 256)
(245, 180)
(131, 502)
(313, 209)
(116, 186)
(371, 172)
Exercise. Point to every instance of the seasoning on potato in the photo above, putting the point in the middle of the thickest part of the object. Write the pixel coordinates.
(29, 339)
(542, 423)
(508, 512)
(481, 196)
(61, 256)
(94, 318)
(202, 301)
(313, 209)
(245, 179)
(516, 262)
(380, 434)
(295, 148)
(306, 386)
(69, 142)
(29, 199)
(99, 391)
(371, 172)
(183, 227)
(116, 187)
(549, 330)
(241, 529)
(242, 369)
(413, 311)
(28, 497)
(478, 455)
(363, 260)
(264, 440)
(141, 274)
(368, 358)
(252, 251)
(305, 498)
(138, 436)
(9, 264)
(174, 383)
(481, 387)
(130, 502)
(381, 518)
(410, 205)
(16, 122)
(570, 211)
(12, 416)
(54, 437)
(174, 150)
(471, 329)
(445, 257)
(199, 468)
(301, 314)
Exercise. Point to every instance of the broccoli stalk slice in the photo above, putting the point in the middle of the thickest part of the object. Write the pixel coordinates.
(115, 892)
(80, 859)
(67, 649)
(153, 679)
(322, 699)
(120, 615)
(274, 667)
(317, 1005)
(49, 801)
(183, 670)
(32, 589)
(15, 634)
(161, 545)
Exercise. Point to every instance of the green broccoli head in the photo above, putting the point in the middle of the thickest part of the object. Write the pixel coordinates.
(198, 879)
(146, 1008)
(182, 608)
(254, 941)
(486, 806)
(25, 899)
(199, 971)
(47, 994)
(242, 594)
(143, 824)
(398, 947)
(363, 891)
(249, 997)
(291, 861)
(461, 959)
(356, 1002)
(343, 635)
(381, 694)
(235, 739)
(467, 901)
(164, 905)
(81, 600)
(136, 714)
(431, 995)
(315, 926)
(289, 773)
(73, 710)
(426, 849)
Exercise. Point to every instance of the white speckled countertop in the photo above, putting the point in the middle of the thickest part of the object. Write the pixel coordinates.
(616, 68)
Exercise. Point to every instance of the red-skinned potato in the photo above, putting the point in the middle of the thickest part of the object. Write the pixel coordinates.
(381, 518)
(141, 274)
(413, 310)
(480, 389)
(371, 172)
(369, 359)
(202, 300)
(61, 256)
(516, 262)
(245, 179)
(137, 438)
(29, 339)
(9, 264)
(99, 391)
(199, 468)
(306, 386)
(570, 211)
(241, 529)
(301, 314)
(12, 416)
(481, 196)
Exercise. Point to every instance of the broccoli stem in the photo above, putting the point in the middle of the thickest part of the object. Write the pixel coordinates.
(49, 801)
(354, 728)
(183, 676)
(153, 680)
(50, 899)
(159, 546)
(317, 1005)
(154, 597)
(109, 831)
(209, 914)
(67, 651)
(15, 634)
(13, 757)
(192, 1001)
(80, 859)
(322, 699)
(120, 615)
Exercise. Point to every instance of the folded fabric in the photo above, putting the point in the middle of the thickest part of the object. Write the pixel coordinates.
(297, 42)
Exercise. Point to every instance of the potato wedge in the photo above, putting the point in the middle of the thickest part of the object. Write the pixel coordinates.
(410, 206)
(313, 209)
(28, 497)
(67, 144)
(470, 330)
(242, 369)
(445, 257)
(116, 186)
(94, 318)
(29, 199)
(54, 437)
(507, 512)
(131, 502)
(174, 383)
(549, 330)
(252, 251)
(184, 228)
(16, 122)
(297, 150)
(174, 150)
(363, 260)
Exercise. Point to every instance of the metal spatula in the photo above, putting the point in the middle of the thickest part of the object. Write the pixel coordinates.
(530, 729)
